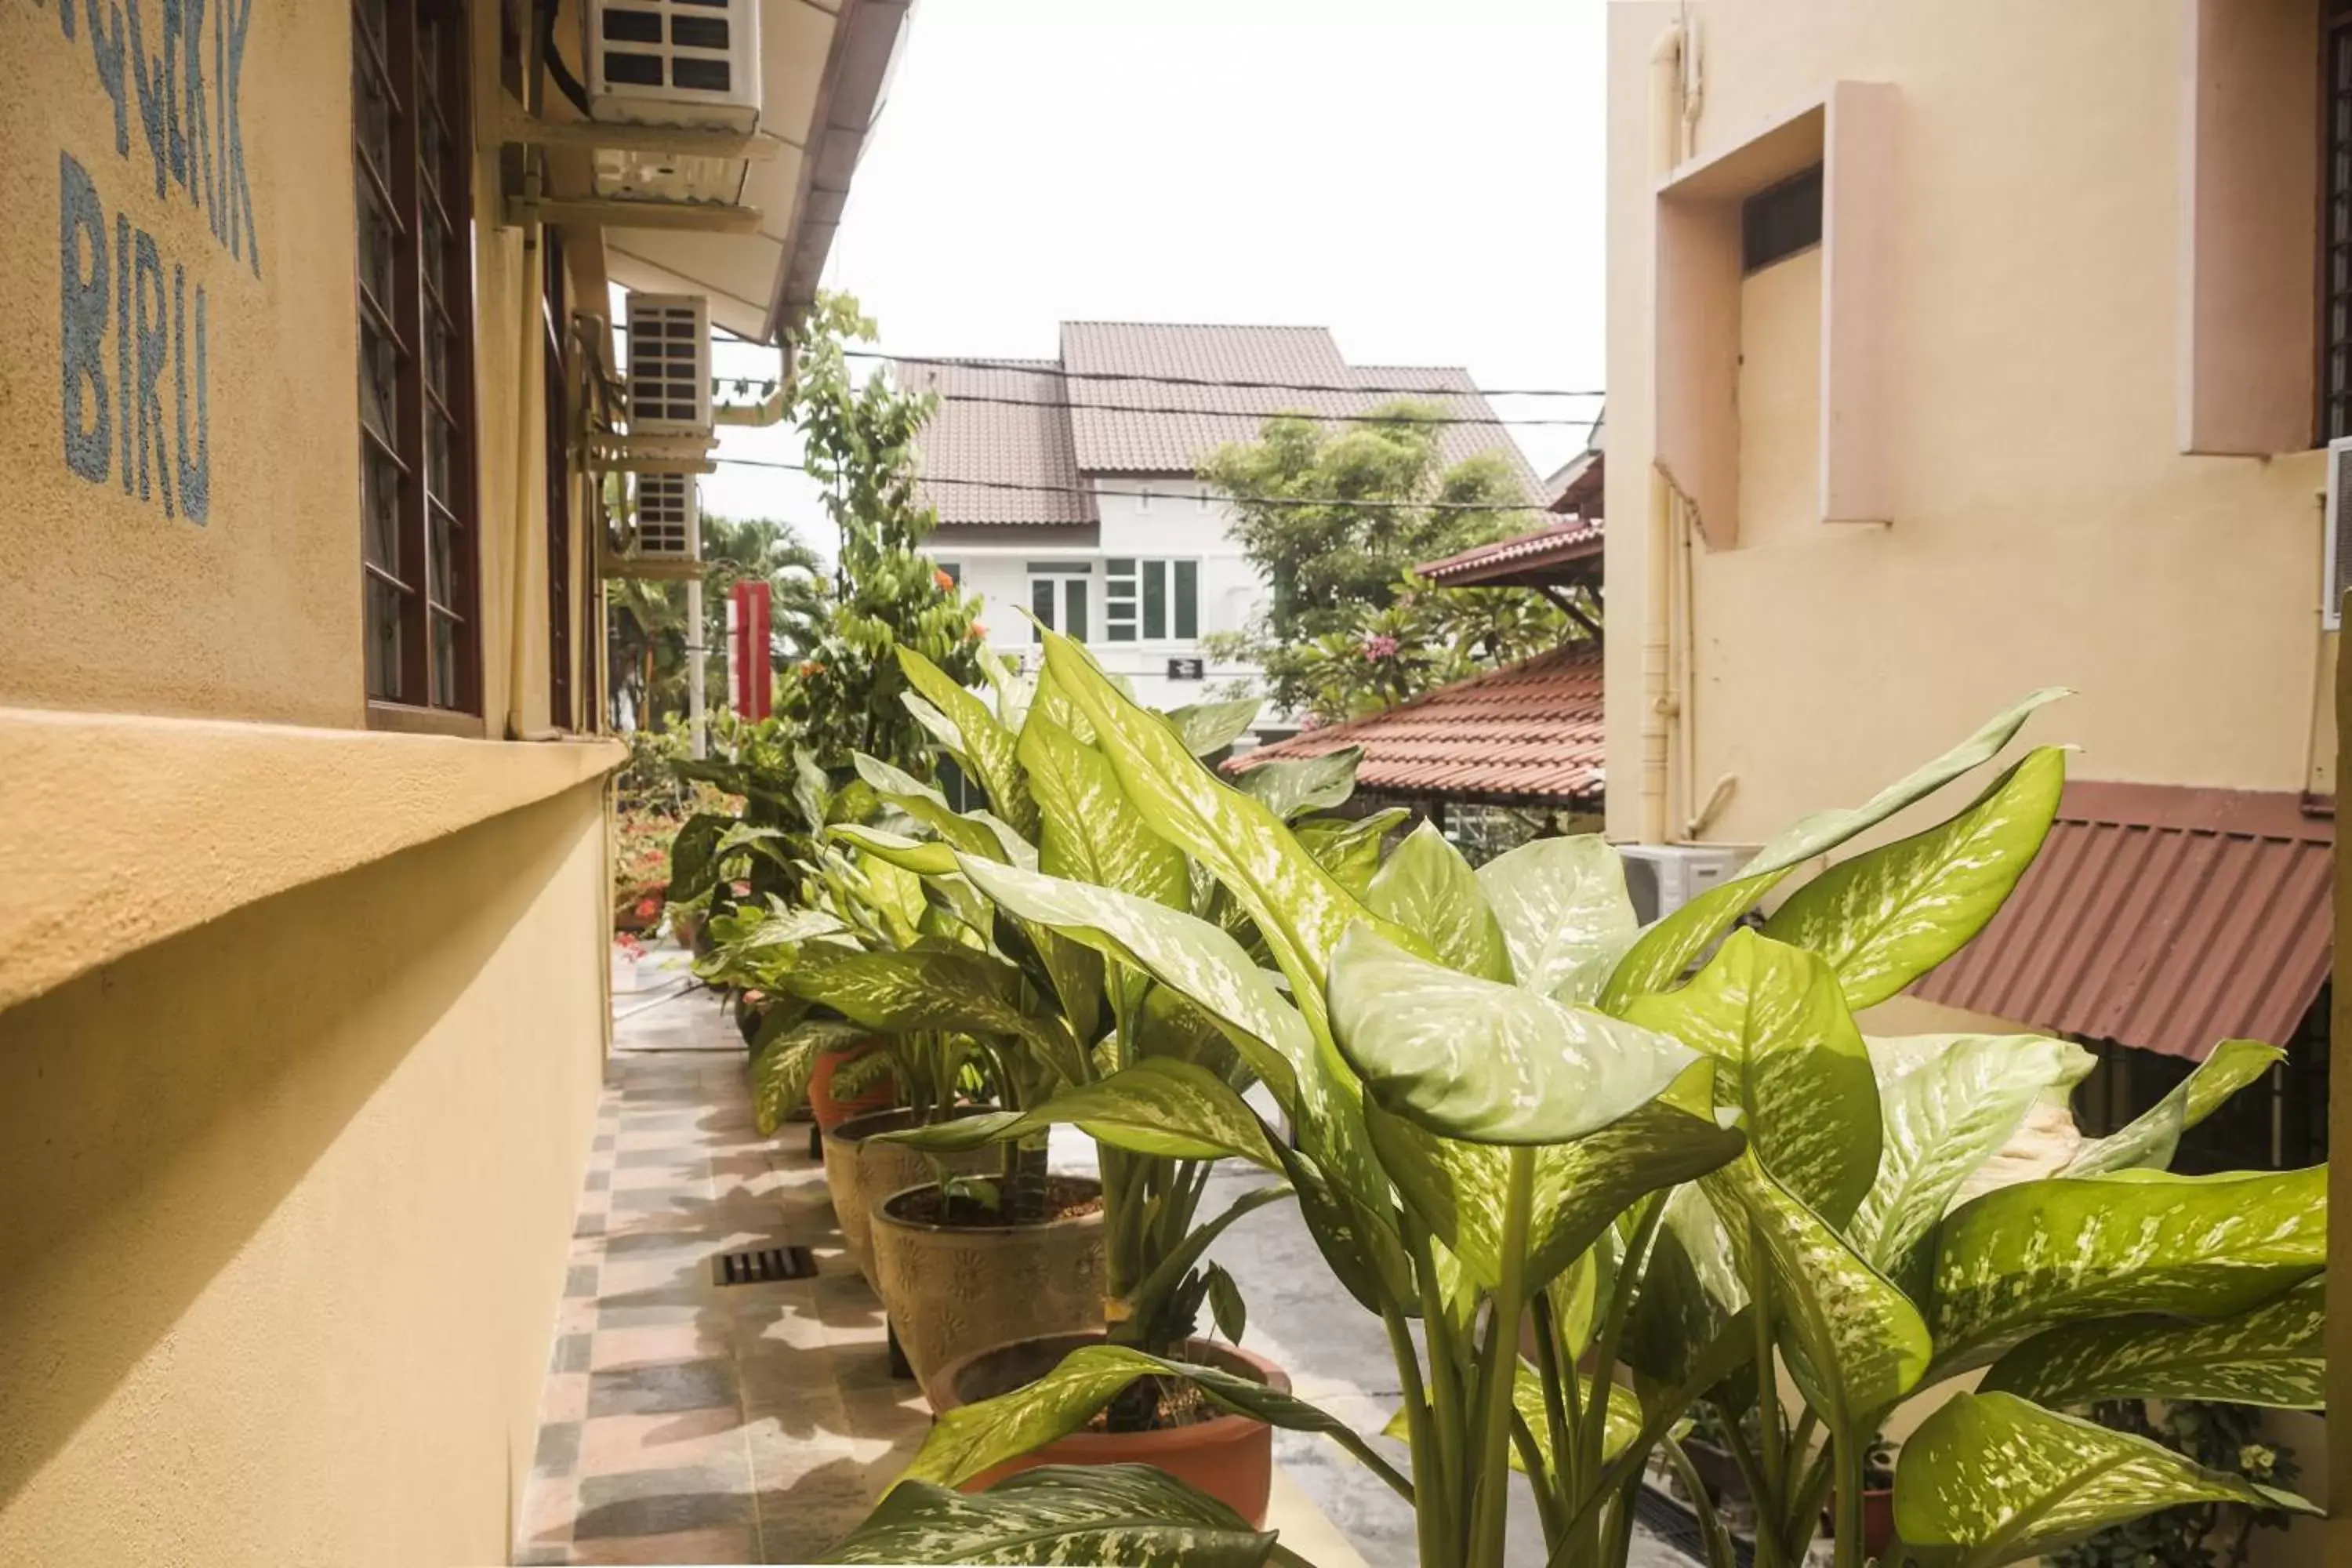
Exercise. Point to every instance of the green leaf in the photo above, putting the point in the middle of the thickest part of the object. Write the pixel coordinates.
(1293, 787)
(1472, 1060)
(1562, 906)
(974, 1439)
(1949, 1104)
(1884, 918)
(1119, 1516)
(2274, 1355)
(1457, 1189)
(989, 747)
(1690, 1291)
(781, 1070)
(1350, 848)
(1990, 1478)
(2030, 1257)
(1160, 1105)
(1793, 1064)
(1208, 728)
(975, 832)
(1855, 1342)
(934, 987)
(924, 856)
(1226, 1308)
(1427, 887)
(1620, 1426)
(1667, 948)
(1090, 832)
(2149, 1139)
(693, 860)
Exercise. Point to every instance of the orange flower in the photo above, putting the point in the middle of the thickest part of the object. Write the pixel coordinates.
(975, 632)
(810, 669)
(946, 583)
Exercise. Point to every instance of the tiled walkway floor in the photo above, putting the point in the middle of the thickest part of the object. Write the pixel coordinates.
(684, 1421)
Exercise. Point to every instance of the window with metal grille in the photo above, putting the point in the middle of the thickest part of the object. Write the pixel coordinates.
(411, 155)
(2335, 222)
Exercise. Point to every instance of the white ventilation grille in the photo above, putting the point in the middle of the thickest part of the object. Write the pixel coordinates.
(669, 518)
(2337, 574)
(669, 364)
(674, 62)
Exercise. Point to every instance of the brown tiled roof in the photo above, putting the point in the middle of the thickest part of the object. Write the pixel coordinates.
(2160, 916)
(1577, 486)
(1557, 554)
(1004, 443)
(1145, 426)
(1528, 732)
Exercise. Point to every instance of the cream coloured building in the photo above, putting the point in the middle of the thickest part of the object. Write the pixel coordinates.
(303, 956)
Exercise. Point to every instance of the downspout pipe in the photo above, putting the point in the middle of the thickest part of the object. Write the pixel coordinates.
(1657, 565)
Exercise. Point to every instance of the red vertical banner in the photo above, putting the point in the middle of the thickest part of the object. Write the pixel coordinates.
(747, 659)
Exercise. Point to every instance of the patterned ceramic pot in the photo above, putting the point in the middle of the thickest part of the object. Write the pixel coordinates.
(951, 1290)
(860, 1175)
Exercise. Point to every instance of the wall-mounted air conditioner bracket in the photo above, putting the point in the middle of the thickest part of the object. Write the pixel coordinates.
(613, 212)
(517, 128)
(613, 564)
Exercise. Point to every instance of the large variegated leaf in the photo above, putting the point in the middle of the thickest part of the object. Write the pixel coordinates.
(988, 745)
(1349, 848)
(1297, 907)
(934, 987)
(1855, 1342)
(1990, 1478)
(1090, 832)
(2149, 1139)
(1884, 918)
(1160, 1105)
(1487, 1063)
(1949, 1104)
(1457, 1189)
(1427, 887)
(2274, 1355)
(1563, 910)
(1112, 1516)
(924, 856)
(1690, 1291)
(2039, 1254)
(972, 832)
(1667, 948)
(1207, 727)
(1793, 1064)
(784, 1065)
(1186, 954)
(974, 1439)
(1293, 787)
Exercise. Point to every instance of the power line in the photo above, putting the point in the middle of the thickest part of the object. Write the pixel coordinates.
(1033, 368)
(1169, 495)
(1261, 414)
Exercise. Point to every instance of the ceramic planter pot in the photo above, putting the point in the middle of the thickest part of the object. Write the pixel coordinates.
(829, 1110)
(951, 1290)
(1231, 1457)
(1877, 1520)
(860, 1175)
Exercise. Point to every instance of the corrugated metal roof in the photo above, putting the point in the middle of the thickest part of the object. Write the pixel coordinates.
(1528, 733)
(2160, 916)
(1524, 559)
(1002, 443)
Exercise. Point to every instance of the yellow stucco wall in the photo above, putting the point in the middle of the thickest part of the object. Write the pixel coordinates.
(284, 1213)
(2047, 530)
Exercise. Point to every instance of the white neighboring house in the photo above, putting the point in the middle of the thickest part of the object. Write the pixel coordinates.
(1074, 498)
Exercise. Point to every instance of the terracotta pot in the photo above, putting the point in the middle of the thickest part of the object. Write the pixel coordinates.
(1877, 1520)
(1231, 1457)
(831, 1112)
(860, 1175)
(954, 1290)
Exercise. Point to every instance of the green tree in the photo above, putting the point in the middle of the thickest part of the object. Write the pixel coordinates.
(650, 624)
(1336, 522)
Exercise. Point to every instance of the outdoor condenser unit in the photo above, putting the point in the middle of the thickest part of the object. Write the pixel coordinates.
(669, 366)
(669, 518)
(2335, 574)
(1663, 878)
(692, 63)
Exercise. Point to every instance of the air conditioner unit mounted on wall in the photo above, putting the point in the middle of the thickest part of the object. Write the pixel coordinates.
(669, 366)
(691, 63)
(1663, 878)
(669, 520)
(2335, 573)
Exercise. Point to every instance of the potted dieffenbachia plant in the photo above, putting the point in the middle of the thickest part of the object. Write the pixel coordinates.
(1611, 1173)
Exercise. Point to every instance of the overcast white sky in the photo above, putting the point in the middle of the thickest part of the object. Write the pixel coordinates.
(1422, 176)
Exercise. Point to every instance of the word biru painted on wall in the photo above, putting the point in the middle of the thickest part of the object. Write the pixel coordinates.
(133, 328)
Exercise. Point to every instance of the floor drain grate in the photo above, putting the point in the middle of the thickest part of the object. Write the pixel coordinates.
(1675, 1526)
(764, 1266)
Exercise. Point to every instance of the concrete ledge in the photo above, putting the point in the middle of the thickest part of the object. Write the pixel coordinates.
(117, 831)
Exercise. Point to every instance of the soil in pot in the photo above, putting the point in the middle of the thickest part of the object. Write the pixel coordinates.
(860, 1175)
(830, 1111)
(959, 1278)
(1229, 1456)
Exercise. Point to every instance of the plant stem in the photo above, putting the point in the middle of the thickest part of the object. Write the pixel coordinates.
(1445, 1387)
(1848, 1528)
(1433, 1527)
(1501, 1367)
(1770, 1435)
(1558, 1389)
(1718, 1542)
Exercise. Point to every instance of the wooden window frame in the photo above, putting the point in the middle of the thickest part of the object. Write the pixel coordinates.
(2332, 268)
(561, 597)
(418, 690)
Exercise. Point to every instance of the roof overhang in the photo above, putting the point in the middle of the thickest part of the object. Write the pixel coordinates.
(824, 69)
